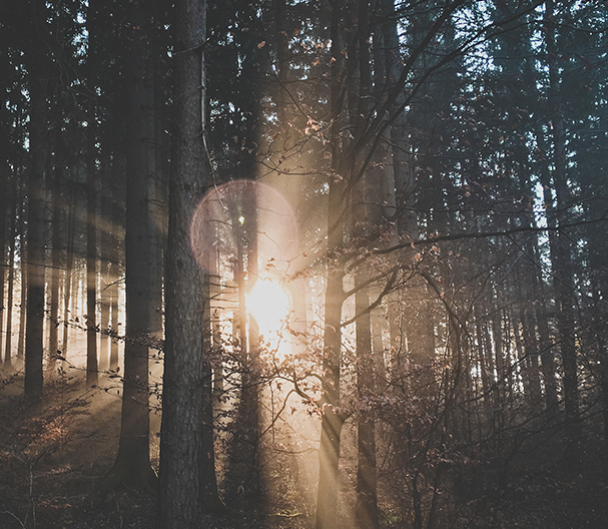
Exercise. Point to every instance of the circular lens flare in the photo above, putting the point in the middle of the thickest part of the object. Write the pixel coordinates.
(269, 304)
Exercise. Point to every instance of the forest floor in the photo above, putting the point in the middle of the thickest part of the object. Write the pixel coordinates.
(53, 457)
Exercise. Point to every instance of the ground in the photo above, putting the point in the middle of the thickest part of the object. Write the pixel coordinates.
(53, 457)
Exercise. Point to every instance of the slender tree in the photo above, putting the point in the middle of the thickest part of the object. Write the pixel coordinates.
(55, 256)
(38, 65)
(132, 464)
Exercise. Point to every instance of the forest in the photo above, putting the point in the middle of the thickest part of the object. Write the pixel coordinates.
(303, 264)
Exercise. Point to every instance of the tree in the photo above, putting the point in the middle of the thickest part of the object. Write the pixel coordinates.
(37, 62)
(181, 457)
(132, 464)
(91, 168)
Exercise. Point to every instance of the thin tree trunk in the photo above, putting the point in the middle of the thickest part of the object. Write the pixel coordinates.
(245, 471)
(56, 260)
(132, 465)
(91, 319)
(561, 255)
(3, 208)
(332, 419)
(114, 268)
(23, 300)
(366, 213)
(210, 499)
(69, 265)
(113, 274)
(366, 509)
(105, 295)
(11, 276)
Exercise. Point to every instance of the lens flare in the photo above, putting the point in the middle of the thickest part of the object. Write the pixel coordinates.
(242, 210)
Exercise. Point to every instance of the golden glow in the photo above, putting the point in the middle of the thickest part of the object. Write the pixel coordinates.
(269, 304)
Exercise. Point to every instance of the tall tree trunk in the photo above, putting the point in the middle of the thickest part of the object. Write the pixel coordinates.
(105, 296)
(91, 135)
(3, 255)
(113, 274)
(562, 252)
(56, 259)
(11, 276)
(244, 474)
(91, 274)
(7, 177)
(69, 265)
(545, 340)
(132, 464)
(366, 509)
(210, 499)
(37, 61)
(183, 400)
(366, 213)
(156, 212)
(23, 300)
(332, 419)
(115, 251)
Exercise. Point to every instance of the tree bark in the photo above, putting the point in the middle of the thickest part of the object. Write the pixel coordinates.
(56, 259)
(210, 499)
(105, 268)
(37, 61)
(3, 209)
(183, 402)
(91, 319)
(69, 265)
(11, 276)
(561, 253)
(366, 509)
(332, 420)
(132, 464)
(23, 300)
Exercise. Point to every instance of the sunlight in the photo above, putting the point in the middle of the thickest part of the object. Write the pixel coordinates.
(269, 304)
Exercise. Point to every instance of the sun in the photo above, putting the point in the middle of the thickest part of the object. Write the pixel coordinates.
(269, 305)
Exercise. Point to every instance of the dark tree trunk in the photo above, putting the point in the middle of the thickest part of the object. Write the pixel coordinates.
(69, 265)
(332, 419)
(132, 464)
(115, 250)
(91, 319)
(366, 213)
(105, 296)
(11, 276)
(366, 509)
(37, 61)
(56, 259)
(244, 474)
(156, 235)
(113, 274)
(23, 300)
(561, 253)
(181, 450)
(210, 499)
(3, 208)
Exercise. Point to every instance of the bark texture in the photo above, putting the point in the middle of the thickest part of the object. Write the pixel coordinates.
(183, 400)
(36, 56)
(132, 465)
